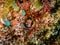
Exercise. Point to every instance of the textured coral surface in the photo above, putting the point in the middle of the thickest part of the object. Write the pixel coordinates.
(29, 22)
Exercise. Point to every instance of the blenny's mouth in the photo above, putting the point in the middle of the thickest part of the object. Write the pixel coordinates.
(20, 1)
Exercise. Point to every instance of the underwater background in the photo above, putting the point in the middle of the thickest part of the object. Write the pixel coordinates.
(29, 22)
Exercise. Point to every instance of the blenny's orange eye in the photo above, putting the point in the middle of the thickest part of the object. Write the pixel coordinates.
(20, 1)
